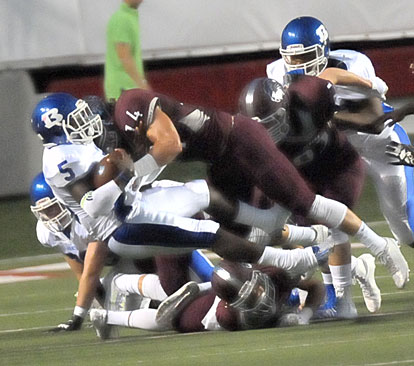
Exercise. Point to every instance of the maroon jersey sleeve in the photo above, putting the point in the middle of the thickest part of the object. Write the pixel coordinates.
(227, 316)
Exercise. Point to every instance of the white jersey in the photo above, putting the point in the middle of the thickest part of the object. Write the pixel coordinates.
(355, 62)
(361, 65)
(73, 245)
(64, 164)
(390, 180)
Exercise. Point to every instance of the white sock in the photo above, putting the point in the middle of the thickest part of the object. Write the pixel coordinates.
(375, 243)
(341, 276)
(295, 261)
(267, 220)
(327, 278)
(204, 286)
(147, 285)
(301, 235)
(141, 318)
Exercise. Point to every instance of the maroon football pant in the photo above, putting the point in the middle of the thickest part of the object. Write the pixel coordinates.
(252, 160)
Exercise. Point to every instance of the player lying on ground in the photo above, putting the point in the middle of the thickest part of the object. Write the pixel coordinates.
(242, 297)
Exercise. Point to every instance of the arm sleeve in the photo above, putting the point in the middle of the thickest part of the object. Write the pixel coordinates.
(101, 201)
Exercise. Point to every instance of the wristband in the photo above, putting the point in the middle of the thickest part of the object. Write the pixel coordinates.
(80, 311)
(123, 178)
(145, 165)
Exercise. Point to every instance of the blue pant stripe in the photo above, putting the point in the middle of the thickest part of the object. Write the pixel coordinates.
(162, 235)
(201, 265)
(409, 175)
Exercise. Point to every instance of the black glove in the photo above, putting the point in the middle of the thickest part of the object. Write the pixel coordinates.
(402, 154)
(72, 324)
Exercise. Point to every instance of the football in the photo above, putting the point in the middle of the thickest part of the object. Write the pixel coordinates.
(111, 167)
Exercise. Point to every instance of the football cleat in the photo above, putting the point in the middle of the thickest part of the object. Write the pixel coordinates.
(370, 290)
(345, 306)
(392, 258)
(328, 309)
(175, 303)
(99, 319)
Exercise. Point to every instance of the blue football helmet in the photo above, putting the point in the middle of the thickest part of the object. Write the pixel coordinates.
(46, 208)
(305, 45)
(60, 118)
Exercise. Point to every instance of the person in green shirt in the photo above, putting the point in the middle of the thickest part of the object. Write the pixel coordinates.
(124, 67)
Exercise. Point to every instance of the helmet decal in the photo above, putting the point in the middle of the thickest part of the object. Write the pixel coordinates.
(322, 32)
(52, 118)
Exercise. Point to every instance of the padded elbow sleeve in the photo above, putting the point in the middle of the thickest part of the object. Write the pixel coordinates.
(101, 201)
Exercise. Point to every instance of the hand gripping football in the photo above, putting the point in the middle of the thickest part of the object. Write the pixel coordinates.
(117, 166)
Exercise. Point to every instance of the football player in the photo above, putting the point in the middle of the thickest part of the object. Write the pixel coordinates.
(55, 227)
(67, 127)
(298, 119)
(242, 297)
(241, 157)
(305, 48)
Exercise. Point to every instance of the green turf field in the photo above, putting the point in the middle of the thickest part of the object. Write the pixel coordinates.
(28, 309)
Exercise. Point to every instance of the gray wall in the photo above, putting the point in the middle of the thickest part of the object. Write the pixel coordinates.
(20, 148)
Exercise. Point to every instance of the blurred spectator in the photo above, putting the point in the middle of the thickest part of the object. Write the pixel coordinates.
(123, 65)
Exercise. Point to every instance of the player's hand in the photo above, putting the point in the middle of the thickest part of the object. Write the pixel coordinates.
(402, 154)
(125, 166)
(72, 324)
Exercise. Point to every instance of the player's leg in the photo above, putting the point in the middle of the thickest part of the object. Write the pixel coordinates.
(182, 199)
(395, 187)
(103, 320)
(340, 268)
(337, 215)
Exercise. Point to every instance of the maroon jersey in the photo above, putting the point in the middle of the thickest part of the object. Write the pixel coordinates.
(203, 132)
(330, 165)
(240, 153)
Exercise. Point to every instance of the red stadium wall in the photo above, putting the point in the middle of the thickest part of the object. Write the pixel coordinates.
(219, 84)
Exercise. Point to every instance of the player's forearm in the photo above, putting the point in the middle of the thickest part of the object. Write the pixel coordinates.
(101, 200)
(342, 77)
(94, 263)
(164, 152)
(165, 139)
(75, 266)
(407, 109)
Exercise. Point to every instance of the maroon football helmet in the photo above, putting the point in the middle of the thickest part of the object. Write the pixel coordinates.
(249, 291)
(293, 114)
(264, 100)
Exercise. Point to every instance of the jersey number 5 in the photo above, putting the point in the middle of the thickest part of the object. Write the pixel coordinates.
(64, 170)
